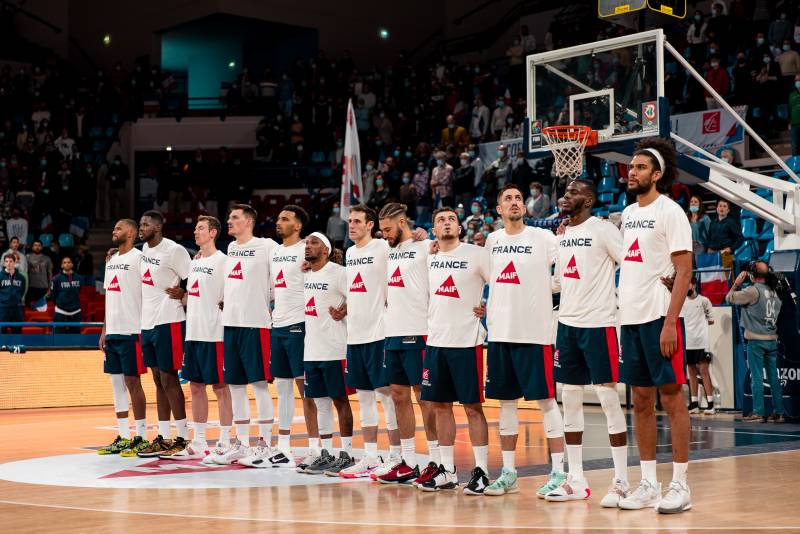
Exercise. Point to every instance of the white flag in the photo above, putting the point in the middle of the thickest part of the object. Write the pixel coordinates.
(352, 189)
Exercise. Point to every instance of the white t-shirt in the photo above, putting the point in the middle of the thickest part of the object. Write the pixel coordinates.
(123, 285)
(204, 292)
(287, 284)
(649, 236)
(247, 283)
(366, 297)
(326, 339)
(520, 307)
(587, 258)
(696, 313)
(455, 285)
(407, 289)
(163, 266)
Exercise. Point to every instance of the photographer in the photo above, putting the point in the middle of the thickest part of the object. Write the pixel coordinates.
(760, 308)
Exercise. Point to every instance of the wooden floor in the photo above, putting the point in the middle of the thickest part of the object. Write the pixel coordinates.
(735, 493)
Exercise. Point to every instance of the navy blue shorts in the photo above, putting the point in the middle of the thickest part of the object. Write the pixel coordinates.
(402, 360)
(246, 355)
(203, 362)
(365, 366)
(286, 351)
(162, 346)
(123, 355)
(12, 314)
(517, 370)
(325, 379)
(586, 355)
(453, 374)
(641, 362)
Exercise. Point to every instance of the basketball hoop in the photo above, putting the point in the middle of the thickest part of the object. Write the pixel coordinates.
(568, 144)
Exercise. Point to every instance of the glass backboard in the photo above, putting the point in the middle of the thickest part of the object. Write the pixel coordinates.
(613, 86)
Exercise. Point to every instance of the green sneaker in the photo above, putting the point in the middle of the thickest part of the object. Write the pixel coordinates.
(507, 483)
(137, 444)
(556, 479)
(115, 447)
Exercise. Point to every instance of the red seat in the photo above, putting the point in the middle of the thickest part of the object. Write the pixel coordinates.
(91, 330)
(39, 317)
(96, 311)
(35, 330)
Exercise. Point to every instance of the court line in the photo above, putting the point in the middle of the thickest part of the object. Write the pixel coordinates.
(385, 524)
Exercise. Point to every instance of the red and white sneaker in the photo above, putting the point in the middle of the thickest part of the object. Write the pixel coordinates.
(386, 466)
(400, 474)
(193, 451)
(570, 490)
(426, 474)
(362, 469)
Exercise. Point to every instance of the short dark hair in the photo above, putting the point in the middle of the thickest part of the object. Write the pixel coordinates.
(507, 187)
(443, 209)
(9, 255)
(130, 222)
(299, 213)
(155, 215)
(668, 153)
(13, 237)
(37, 241)
(212, 222)
(392, 210)
(588, 184)
(248, 211)
(369, 215)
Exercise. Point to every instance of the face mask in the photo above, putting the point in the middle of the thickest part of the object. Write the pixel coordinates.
(477, 70)
(488, 220)
(451, 126)
(369, 167)
(783, 16)
(379, 182)
(510, 120)
(378, 143)
(382, 115)
(475, 210)
(421, 168)
(464, 162)
(408, 154)
(501, 104)
(694, 209)
(396, 153)
(712, 51)
(698, 18)
(766, 60)
(500, 153)
(760, 41)
(472, 153)
(43, 163)
(336, 210)
(470, 233)
(786, 48)
(486, 233)
(406, 180)
(797, 84)
(440, 162)
(714, 64)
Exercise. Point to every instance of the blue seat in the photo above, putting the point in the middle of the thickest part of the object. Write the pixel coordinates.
(602, 212)
(793, 162)
(622, 202)
(747, 251)
(66, 240)
(607, 185)
(763, 192)
(606, 198)
(95, 132)
(747, 214)
(768, 251)
(46, 239)
(766, 233)
(608, 169)
(749, 228)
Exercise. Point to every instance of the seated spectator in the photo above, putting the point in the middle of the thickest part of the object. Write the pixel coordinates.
(453, 134)
(699, 222)
(537, 205)
(724, 233)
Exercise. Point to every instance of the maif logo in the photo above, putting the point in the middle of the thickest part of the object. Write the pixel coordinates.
(147, 278)
(236, 273)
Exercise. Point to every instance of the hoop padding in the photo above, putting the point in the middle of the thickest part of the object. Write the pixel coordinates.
(568, 144)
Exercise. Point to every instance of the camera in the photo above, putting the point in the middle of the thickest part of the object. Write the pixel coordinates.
(776, 281)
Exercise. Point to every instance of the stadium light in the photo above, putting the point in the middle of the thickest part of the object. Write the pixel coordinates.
(383, 33)
(231, 64)
(169, 148)
(107, 39)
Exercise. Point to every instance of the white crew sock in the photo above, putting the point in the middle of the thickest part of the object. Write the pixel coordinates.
(200, 433)
(510, 460)
(620, 456)
(313, 446)
(327, 444)
(679, 471)
(163, 429)
(123, 429)
(243, 433)
(558, 461)
(265, 432)
(407, 451)
(224, 434)
(481, 453)
(347, 444)
(141, 427)
(649, 471)
(447, 457)
(181, 428)
(694, 398)
(434, 452)
(284, 442)
(396, 450)
(709, 398)
(371, 450)
(575, 461)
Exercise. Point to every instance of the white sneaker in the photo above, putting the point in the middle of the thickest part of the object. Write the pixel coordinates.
(233, 454)
(619, 490)
(193, 451)
(307, 460)
(570, 490)
(215, 453)
(258, 456)
(280, 458)
(362, 469)
(645, 495)
(677, 499)
(386, 466)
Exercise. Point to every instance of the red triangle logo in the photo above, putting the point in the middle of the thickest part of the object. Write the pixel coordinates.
(358, 285)
(571, 271)
(279, 280)
(311, 307)
(194, 291)
(237, 272)
(509, 275)
(448, 288)
(634, 254)
(147, 279)
(114, 285)
(396, 280)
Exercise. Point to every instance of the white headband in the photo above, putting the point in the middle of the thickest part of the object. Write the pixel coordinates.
(656, 154)
(324, 240)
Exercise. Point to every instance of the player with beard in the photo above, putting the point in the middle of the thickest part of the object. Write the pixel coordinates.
(587, 350)
(453, 366)
(406, 325)
(520, 351)
(120, 338)
(657, 243)
(165, 264)
(288, 332)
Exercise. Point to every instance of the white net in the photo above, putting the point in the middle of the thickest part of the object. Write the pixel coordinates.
(567, 144)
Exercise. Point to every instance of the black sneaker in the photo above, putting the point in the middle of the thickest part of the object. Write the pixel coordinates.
(342, 462)
(322, 463)
(442, 480)
(477, 482)
(694, 407)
